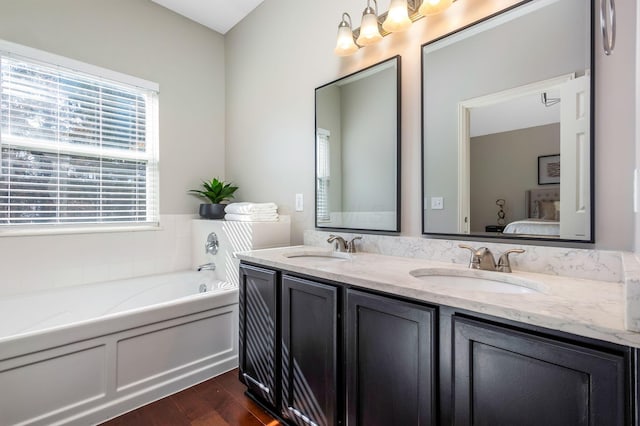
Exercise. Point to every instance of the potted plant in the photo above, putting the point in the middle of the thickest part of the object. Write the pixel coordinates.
(216, 192)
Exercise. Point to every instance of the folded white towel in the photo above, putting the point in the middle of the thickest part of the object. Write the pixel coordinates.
(248, 208)
(257, 217)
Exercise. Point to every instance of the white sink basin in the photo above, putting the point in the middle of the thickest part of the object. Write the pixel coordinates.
(319, 255)
(475, 280)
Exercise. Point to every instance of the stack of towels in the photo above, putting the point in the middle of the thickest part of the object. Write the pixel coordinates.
(252, 212)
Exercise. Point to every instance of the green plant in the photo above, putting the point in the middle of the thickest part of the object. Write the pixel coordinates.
(215, 191)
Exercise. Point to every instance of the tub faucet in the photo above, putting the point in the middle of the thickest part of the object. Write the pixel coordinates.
(207, 267)
(483, 259)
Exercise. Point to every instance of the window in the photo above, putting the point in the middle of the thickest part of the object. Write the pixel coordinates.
(322, 175)
(76, 147)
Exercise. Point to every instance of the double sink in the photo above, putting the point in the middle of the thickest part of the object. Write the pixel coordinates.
(461, 279)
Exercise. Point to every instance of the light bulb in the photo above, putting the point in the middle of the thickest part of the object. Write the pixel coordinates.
(345, 45)
(433, 7)
(397, 17)
(369, 33)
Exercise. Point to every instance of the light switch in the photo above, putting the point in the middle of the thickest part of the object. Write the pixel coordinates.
(299, 202)
(437, 203)
(636, 188)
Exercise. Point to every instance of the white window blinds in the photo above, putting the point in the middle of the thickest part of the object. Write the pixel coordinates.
(322, 175)
(74, 148)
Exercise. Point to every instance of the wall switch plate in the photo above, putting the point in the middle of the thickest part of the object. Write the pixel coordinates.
(299, 202)
(437, 203)
(636, 188)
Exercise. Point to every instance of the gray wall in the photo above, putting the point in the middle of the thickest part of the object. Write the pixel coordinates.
(142, 39)
(272, 71)
(637, 129)
(369, 152)
(505, 165)
(272, 74)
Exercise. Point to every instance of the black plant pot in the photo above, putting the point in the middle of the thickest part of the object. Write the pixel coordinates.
(212, 211)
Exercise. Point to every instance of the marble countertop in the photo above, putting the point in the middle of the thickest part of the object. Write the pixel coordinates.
(583, 307)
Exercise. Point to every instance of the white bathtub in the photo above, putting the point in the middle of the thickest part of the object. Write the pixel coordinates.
(81, 355)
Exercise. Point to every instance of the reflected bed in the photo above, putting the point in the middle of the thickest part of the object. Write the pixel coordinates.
(543, 212)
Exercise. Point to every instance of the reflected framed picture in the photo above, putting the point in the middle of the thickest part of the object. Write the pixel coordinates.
(549, 169)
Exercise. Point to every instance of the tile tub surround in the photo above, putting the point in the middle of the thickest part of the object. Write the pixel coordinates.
(39, 262)
(588, 308)
(600, 265)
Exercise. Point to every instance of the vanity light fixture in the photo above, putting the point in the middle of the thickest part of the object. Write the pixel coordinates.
(399, 18)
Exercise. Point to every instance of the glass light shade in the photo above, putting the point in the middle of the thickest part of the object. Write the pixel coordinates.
(433, 7)
(369, 32)
(345, 45)
(397, 17)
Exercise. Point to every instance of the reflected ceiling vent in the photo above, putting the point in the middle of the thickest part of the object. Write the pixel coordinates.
(546, 101)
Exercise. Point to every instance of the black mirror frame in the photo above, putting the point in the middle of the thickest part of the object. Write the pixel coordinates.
(592, 88)
(397, 61)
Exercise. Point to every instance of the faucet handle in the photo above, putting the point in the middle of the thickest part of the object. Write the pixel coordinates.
(351, 245)
(504, 265)
(212, 244)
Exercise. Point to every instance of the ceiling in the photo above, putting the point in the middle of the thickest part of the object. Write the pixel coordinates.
(519, 113)
(219, 15)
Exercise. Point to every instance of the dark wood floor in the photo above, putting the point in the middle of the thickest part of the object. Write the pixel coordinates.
(216, 402)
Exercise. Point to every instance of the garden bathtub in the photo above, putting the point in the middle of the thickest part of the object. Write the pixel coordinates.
(84, 354)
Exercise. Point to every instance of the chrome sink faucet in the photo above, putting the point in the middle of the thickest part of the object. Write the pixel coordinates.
(483, 259)
(339, 243)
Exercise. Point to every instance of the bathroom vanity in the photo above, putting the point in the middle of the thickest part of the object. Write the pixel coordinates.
(331, 338)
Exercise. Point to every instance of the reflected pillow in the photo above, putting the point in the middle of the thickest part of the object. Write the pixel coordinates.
(548, 210)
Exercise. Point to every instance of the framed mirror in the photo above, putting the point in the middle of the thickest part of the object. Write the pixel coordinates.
(507, 129)
(358, 150)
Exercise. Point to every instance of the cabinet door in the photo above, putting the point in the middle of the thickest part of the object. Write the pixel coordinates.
(390, 365)
(258, 293)
(309, 352)
(507, 377)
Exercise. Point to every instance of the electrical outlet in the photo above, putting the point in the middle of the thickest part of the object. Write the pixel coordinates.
(299, 202)
(437, 203)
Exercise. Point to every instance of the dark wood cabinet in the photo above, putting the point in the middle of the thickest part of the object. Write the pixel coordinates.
(258, 295)
(315, 352)
(390, 365)
(310, 335)
(507, 377)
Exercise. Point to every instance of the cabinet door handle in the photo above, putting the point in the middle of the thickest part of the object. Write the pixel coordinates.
(608, 26)
(262, 387)
(302, 417)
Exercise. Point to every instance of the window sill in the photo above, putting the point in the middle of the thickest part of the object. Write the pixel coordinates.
(70, 230)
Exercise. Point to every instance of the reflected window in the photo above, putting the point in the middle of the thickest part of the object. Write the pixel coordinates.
(323, 172)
